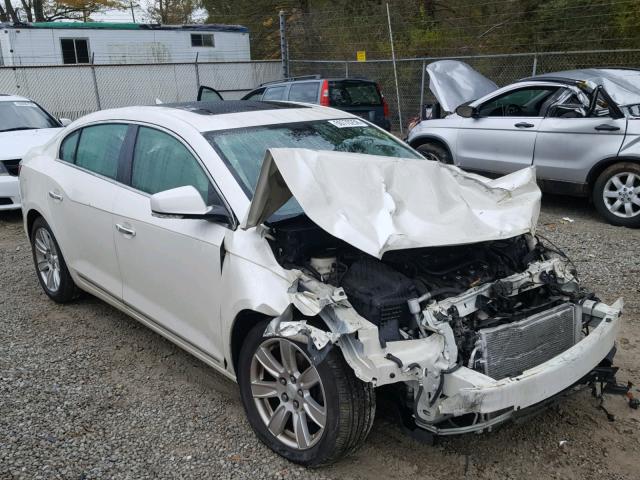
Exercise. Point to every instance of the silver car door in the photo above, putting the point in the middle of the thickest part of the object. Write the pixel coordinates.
(501, 135)
(569, 144)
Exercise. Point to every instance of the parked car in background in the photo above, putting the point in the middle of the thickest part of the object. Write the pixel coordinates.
(23, 125)
(358, 96)
(579, 128)
(310, 256)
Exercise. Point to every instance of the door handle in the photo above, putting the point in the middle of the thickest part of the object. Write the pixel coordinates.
(56, 196)
(607, 128)
(125, 231)
(524, 125)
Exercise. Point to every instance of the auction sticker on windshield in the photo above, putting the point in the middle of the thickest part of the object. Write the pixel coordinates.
(347, 123)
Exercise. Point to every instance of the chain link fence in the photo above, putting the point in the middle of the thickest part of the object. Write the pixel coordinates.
(74, 91)
(413, 86)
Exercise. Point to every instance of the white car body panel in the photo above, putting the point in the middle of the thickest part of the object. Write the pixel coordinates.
(410, 203)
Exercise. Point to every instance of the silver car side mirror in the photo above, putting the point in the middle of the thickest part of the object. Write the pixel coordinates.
(466, 111)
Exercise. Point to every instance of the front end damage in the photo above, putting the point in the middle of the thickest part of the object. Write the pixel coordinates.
(449, 389)
(430, 280)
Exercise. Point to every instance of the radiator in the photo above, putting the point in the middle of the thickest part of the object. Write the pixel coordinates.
(510, 349)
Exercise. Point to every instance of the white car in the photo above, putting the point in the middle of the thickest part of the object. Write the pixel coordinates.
(23, 125)
(312, 257)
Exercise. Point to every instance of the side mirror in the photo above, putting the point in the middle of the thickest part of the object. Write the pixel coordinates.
(186, 202)
(64, 121)
(466, 111)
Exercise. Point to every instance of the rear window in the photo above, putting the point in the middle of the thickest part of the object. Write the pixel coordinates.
(349, 93)
(304, 92)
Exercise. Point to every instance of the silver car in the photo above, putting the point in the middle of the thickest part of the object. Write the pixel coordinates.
(579, 128)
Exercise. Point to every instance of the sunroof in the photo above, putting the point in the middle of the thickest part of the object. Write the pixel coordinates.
(229, 106)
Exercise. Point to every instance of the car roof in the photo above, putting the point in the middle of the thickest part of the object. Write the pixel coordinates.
(307, 79)
(5, 97)
(208, 116)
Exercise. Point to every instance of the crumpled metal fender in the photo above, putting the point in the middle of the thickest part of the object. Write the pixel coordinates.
(357, 338)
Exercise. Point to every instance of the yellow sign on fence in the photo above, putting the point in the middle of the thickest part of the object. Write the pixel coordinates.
(361, 56)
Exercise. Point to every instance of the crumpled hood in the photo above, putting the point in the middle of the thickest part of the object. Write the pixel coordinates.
(453, 83)
(379, 204)
(14, 145)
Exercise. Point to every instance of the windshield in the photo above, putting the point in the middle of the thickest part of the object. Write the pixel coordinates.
(23, 115)
(243, 149)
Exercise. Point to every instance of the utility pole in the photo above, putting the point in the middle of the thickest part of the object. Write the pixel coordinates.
(133, 13)
(284, 54)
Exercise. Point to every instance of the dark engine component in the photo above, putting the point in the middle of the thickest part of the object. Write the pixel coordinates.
(379, 293)
(298, 239)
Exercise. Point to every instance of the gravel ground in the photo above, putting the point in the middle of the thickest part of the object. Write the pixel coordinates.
(86, 392)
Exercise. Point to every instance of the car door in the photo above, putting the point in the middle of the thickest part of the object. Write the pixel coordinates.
(208, 94)
(569, 143)
(81, 199)
(500, 136)
(170, 267)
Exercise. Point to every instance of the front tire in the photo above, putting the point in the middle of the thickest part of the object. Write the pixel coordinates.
(310, 414)
(436, 152)
(616, 194)
(53, 274)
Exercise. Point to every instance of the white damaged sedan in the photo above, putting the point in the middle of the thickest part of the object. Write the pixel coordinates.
(313, 257)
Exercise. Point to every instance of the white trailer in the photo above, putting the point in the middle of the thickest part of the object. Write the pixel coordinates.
(73, 43)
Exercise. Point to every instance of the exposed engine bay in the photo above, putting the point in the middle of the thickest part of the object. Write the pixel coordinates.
(381, 290)
(497, 308)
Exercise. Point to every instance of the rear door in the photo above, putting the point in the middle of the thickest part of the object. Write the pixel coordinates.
(360, 98)
(569, 144)
(501, 138)
(275, 93)
(81, 199)
(171, 267)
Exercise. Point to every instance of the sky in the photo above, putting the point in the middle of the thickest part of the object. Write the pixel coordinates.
(139, 12)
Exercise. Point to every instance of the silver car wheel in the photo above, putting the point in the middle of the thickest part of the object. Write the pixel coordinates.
(621, 194)
(47, 260)
(288, 393)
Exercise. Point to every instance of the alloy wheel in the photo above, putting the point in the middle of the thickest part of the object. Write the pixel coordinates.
(621, 194)
(288, 393)
(47, 260)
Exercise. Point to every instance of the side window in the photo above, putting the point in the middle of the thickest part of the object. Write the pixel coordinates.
(304, 92)
(525, 102)
(256, 95)
(274, 93)
(69, 146)
(74, 50)
(160, 162)
(99, 147)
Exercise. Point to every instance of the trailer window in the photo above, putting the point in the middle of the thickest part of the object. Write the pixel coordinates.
(202, 40)
(74, 50)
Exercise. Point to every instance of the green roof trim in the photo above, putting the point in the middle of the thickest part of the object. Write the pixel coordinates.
(101, 25)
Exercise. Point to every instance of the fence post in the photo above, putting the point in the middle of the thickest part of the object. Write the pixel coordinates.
(283, 45)
(197, 72)
(95, 82)
(535, 64)
(346, 69)
(395, 69)
(424, 68)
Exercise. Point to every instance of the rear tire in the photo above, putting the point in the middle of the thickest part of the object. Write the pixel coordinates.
(436, 152)
(616, 194)
(349, 404)
(52, 271)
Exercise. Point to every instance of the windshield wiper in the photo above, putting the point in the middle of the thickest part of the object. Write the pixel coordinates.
(18, 128)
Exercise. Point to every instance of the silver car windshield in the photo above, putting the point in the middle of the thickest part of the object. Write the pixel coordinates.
(23, 115)
(243, 149)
